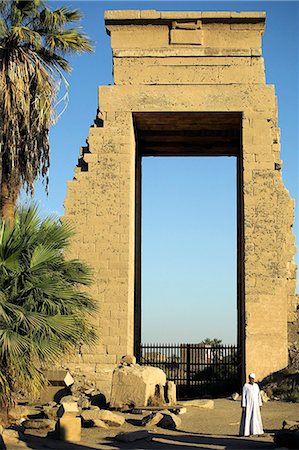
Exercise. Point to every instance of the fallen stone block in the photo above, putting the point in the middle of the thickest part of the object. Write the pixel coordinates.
(98, 423)
(18, 412)
(264, 397)
(290, 425)
(66, 407)
(10, 436)
(136, 385)
(69, 428)
(205, 404)
(132, 436)
(69, 398)
(39, 424)
(169, 421)
(170, 393)
(235, 396)
(50, 412)
(112, 419)
(89, 416)
(151, 420)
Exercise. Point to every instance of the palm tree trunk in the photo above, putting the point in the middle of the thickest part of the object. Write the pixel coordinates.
(8, 202)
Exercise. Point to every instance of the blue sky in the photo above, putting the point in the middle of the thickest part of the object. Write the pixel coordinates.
(189, 219)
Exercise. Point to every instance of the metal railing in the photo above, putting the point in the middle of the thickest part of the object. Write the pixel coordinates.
(198, 370)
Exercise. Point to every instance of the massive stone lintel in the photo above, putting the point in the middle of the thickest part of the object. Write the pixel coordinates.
(194, 82)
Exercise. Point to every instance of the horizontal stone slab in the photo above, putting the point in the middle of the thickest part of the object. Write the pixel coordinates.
(184, 52)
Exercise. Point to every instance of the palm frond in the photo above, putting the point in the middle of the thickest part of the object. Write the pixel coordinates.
(71, 40)
(33, 43)
(43, 311)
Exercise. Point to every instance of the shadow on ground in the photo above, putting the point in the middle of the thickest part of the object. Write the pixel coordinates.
(178, 441)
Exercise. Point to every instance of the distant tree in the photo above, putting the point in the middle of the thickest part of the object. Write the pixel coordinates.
(43, 309)
(212, 342)
(33, 44)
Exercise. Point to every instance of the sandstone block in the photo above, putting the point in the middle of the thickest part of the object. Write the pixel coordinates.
(170, 393)
(170, 421)
(135, 385)
(10, 438)
(128, 360)
(152, 419)
(183, 37)
(264, 397)
(205, 404)
(69, 428)
(290, 425)
(235, 396)
(91, 415)
(39, 424)
(111, 418)
(98, 423)
(132, 436)
(18, 412)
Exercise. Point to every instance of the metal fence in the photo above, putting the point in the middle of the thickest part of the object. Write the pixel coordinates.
(198, 370)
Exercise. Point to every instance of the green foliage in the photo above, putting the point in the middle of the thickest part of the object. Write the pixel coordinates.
(43, 310)
(212, 342)
(33, 44)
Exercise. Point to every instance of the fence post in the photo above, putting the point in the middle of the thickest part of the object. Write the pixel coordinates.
(188, 370)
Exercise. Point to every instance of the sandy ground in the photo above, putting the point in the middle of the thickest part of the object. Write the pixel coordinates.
(202, 429)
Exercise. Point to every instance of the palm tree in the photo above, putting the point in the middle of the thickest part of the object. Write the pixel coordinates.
(33, 44)
(43, 309)
(212, 342)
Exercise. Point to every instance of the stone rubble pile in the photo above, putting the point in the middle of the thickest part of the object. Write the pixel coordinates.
(134, 387)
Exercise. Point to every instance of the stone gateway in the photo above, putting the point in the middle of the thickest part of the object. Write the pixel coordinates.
(185, 83)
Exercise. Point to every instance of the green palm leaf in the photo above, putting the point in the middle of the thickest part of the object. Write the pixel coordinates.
(43, 311)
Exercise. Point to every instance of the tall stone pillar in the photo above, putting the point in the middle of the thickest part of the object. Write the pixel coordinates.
(184, 62)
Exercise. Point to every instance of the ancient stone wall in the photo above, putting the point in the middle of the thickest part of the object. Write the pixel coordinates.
(184, 62)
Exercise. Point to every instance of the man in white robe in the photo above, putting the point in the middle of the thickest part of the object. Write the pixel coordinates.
(251, 421)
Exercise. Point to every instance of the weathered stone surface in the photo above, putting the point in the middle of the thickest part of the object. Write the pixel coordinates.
(69, 428)
(51, 412)
(39, 424)
(128, 360)
(68, 406)
(170, 393)
(132, 436)
(135, 385)
(235, 396)
(163, 419)
(290, 425)
(11, 438)
(264, 396)
(224, 72)
(152, 419)
(18, 412)
(106, 416)
(169, 421)
(98, 423)
(205, 404)
(111, 418)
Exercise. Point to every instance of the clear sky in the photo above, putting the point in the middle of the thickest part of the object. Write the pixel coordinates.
(189, 212)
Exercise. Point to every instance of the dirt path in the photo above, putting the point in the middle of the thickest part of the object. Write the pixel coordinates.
(201, 429)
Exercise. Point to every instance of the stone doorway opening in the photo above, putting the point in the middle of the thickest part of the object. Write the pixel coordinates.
(183, 134)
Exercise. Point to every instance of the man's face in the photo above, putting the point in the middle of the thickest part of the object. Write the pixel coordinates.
(251, 380)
